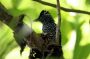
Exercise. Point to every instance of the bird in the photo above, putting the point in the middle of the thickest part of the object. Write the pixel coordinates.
(21, 31)
(49, 33)
(39, 43)
(49, 27)
(25, 35)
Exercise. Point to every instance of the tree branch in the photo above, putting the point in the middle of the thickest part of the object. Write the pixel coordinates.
(63, 8)
(59, 22)
(4, 16)
(58, 32)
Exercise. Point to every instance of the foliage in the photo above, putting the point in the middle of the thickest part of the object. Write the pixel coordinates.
(75, 27)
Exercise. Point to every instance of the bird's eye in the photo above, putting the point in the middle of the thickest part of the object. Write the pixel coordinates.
(46, 13)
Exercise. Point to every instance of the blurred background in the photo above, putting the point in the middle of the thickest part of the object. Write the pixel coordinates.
(75, 27)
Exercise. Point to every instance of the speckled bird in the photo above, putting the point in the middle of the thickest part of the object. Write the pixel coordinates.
(49, 27)
(49, 34)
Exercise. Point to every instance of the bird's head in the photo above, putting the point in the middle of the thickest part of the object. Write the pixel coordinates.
(45, 17)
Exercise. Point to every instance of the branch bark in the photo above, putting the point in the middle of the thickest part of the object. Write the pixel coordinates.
(59, 22)
(4, 16)
(63, 8)
(58, 32)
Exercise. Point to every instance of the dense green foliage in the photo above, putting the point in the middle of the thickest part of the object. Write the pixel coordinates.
(75, 27)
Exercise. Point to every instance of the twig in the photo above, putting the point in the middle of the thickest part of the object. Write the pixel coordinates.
(59, 22)
(58, 32)
(63, 8)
